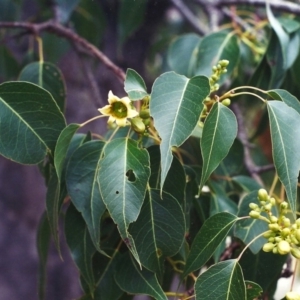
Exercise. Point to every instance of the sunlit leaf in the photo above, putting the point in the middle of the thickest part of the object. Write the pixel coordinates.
(145, 282)
(123, 176)
(159, 230)
(83, 187)
(219, 132)
(134, 85)
(30, 122)
(47, 76)
(182, 54)
(211, 234)
(222, 281)
(285, 146)
(80, 244)
(176, 104)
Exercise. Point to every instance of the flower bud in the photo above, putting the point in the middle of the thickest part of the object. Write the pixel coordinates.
(292, 296)
(254, 214)
(274, 227)
(145, 114)
(297, 234)
(284, 247)
(137, 125)
(253, 205)
(278, 239)
(272, 201)
(224, 63)
(268, 207)
(263, 195)
(273, 219)
(226, 102)
(268, 247)
(285, 232)
(284, 205)
(268, 234)
(298, 223)
(295, 252)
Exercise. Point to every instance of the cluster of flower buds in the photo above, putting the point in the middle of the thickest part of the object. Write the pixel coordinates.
(217, 70)
(283, 237)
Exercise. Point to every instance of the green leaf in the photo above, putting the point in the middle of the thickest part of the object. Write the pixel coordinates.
(248, 229)
(176, 104)
(214, 47)
(30, 122)
(219, 132)
(211, 234)
(134, 85)
(83, 187)
(285, 146)
(54, 200)
(43, 241)
(65, 9)
(49, 77)
(286, 97)
(80, 244)
(182, 54)
(145, 282)
(253, 290)
(159, 230)
(62, 147)
(222, 281)
(247, 183)
(123, 177)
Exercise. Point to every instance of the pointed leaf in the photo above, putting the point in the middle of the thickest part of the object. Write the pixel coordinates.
(83, 187)
(62, 147)
(219, 132)
(211, 234)
(49, 77)
(285, 146)
(248, 229)
(159, 230)
(214, 47)
(247, 183)
(286, 97)
(182, 54)
(253, 290)
(176, 104)
(43, 241)
(80, 244)
(134, 85)
(144, 282)
(123, 177)
(30, 122)
(222, 281)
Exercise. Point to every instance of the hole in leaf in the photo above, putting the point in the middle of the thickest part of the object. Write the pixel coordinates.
(130, 176)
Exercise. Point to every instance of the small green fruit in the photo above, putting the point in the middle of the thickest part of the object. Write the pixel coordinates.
(137, 125)
(284, 247)
(284, 205)
(145, 114)
(263, 195)
(268, 247)
(226, 102)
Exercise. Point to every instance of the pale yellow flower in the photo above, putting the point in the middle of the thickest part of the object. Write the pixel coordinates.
(119, 109)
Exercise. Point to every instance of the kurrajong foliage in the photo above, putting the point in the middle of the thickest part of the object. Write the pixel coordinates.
(168, 192)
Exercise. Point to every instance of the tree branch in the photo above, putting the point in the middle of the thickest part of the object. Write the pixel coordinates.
(58, 29)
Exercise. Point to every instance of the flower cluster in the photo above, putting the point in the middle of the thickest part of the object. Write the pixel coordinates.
(283, 237)
(217, 70)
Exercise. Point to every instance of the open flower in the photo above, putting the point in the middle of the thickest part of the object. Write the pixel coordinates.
(118, 110)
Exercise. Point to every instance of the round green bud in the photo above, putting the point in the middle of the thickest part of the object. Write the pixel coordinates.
(271, 239)
(297, 234)
(226, 102)
(284, 247)
(285, 232)
(216, 87)
(272, 201)
(145, 114)
(286, 222)
(219, 67)
(298, 223)
(268, 234)
(214, 69)
(278, 239)
(292, 296)
(273, 219)
(274, 227)
(283, 205)
(295, 252)
(214, 77)
(254, 214)
(147, 122)
(253, 205)
(224, 63)
(137, 125)
(268, 207)
(275, 250)
(268, 247)
(263, 195)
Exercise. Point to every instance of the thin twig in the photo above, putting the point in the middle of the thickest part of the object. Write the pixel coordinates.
(58, 29)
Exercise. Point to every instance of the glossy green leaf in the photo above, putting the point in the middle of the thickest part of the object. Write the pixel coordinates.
(30, 122)
(246, 183)
(80, 244)
(222, 281)
(182, 54)
(285, 146)
(54, 200)
(286, 97)
(145, 282)
(248, 229)
(214, 47)
(176, 104)
(65, 9)
(43, 241)
(289, 25)
(83, 187)
(159, 230)
(47, 76)
(219, 132)
(134, 85)
(62, 147)
(211, 234)
(123, 177)
(253, 290)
